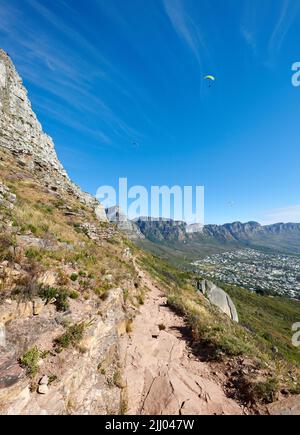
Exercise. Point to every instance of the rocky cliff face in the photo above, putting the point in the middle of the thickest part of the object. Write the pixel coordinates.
(68, 287)
(116, 216)
(282, 237)
(71, 382)
(64, 275)
(22, 134)
(161, 229)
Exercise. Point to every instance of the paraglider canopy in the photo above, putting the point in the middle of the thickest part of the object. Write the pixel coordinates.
(210, 77)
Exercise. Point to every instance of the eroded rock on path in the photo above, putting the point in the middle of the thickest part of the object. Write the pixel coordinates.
(162, 374)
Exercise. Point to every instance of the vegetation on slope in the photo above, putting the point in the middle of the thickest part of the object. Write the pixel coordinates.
(46, 231)
(269, 318)
(56, 258)
(262, 340)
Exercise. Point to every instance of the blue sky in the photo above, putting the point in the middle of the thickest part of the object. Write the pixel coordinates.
(104, 74)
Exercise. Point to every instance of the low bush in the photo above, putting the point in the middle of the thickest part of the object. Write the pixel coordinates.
(60, 297)
(61, 301)
(73, 294)
(30, 361)
(74, 277)
(71, 337)
(7, 246)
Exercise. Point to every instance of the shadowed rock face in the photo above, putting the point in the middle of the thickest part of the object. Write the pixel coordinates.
(220, 298)
(159, 229)
(22, 134)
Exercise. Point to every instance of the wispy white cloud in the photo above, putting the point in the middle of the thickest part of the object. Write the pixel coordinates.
(250, 38)
(285, 214)
(185, 27)
(72, 34)
(65, 117)
(287, 15)
(61, 69)
(262, 40)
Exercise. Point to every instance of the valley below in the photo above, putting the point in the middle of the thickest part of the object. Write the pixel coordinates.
(257, 271)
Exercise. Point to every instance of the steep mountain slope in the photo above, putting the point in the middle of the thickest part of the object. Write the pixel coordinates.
(72, 302)
(22, 134)
(63, 275)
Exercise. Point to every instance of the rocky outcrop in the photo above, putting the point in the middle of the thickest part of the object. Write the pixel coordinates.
(22, 134)
(219, 298)
(115, 215)
(7, 198)
(81, 378)
(235, 231)
(20, 130)
(159, 229)
(289, 406)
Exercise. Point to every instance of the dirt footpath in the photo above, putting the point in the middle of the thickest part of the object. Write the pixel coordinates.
(162, 374)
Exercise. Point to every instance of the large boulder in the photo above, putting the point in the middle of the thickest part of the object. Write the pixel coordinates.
(220, 298)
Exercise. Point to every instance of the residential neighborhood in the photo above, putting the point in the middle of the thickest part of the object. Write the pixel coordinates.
(255, 270)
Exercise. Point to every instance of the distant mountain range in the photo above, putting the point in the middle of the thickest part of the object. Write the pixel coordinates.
(167, 229)
(177, 239)
(180, 242)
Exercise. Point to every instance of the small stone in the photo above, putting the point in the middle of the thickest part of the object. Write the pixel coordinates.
(44, 380)
(37, 306)
(43, 389)
(155, 332)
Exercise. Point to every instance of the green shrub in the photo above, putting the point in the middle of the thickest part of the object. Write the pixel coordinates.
(48, 293)
(32, 228)
(264, 391)
(7, 245)
(45, 208)
(30, 361)
(103, 291)
(73, 294)
(71, 337)
(61, 301)
(60, 297)
(33, 254)
(74, 277)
